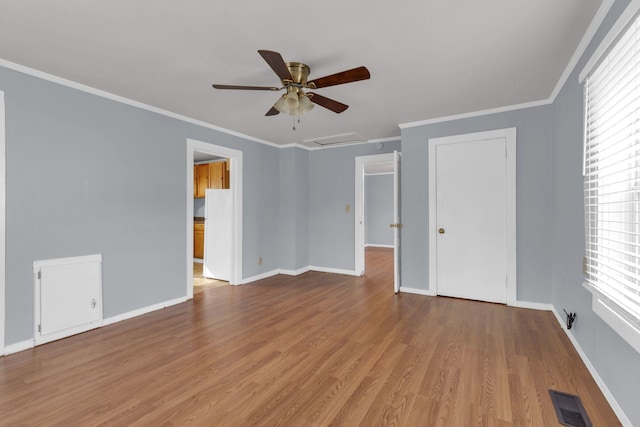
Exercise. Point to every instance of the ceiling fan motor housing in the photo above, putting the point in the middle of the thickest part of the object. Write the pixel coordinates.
(299, 72)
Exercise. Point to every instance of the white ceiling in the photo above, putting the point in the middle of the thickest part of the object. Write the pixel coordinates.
(427, 58)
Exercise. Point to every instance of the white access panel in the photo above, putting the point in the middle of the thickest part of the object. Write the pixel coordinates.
(68, 296)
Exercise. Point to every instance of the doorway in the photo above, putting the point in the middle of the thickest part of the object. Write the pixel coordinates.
(197, 149)
(472, 212)
(372, 166)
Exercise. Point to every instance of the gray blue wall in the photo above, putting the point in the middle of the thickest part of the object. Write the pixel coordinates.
(378, 209)
(294, 209)
(533, 199)
(89, 175)
(617, 363)
(331, 189)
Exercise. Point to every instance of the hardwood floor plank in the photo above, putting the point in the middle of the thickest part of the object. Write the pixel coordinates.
(318, 349)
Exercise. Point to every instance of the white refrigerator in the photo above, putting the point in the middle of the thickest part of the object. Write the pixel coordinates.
(218, 225)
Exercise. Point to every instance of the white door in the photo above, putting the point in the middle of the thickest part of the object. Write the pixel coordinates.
(218, 228)
(396, 221)
(471, 220)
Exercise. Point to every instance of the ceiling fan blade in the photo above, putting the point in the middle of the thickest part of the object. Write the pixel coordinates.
(277, 64)
(353, 75)
(216, 86)
(272, 112)
(328, 103)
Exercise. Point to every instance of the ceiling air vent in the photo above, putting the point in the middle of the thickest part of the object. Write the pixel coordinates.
(346, 138)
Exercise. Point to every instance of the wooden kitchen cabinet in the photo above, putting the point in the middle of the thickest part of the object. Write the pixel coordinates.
(198, 240)
(210, 175)
(219, 174)
(200, 180)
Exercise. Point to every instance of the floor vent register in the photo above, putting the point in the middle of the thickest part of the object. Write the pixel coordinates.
(569, 409)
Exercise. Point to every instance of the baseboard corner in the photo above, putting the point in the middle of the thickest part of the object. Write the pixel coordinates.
(19, 346)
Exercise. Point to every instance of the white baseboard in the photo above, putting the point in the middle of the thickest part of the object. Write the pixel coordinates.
(259, 276)
(332, 270)
(603, 387)
(25, 345)
(417, 291)
(139, 312)
(19, 346)
(531, 305)
(295, 272)
(373, 245)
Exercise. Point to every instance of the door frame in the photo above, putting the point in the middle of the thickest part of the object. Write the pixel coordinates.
(509, 135)
(361, 163)
(235, 183)
(3, 210)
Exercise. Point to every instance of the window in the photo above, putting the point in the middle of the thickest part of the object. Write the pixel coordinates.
(612, 185)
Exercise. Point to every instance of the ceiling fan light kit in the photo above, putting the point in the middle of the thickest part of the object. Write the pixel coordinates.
(294, 78)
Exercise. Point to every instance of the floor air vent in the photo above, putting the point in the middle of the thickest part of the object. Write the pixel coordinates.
(569, 409)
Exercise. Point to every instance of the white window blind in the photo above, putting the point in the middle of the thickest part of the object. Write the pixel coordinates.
(612, 178)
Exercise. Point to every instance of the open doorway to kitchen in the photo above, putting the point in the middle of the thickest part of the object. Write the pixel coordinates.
(213, 169)
(209, 172)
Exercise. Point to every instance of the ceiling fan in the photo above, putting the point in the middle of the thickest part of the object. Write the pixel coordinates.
(293, 76)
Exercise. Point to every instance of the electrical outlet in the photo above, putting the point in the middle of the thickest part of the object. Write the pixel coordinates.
(260, 261)
(347, 208)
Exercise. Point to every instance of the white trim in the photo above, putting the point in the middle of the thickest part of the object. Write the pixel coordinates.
(373, 245)
(18, 347)
(108, 95)
(360, 164)
(622, 417)
(615, 317)
(622, 22)
(37, 265)
(286, 272)
(531, 305)
(235, 178)
(378, 173)
(27, 344)
(417, 291)
(333, 270)
(295, 272)
(260, 276)
(509, 134)
(476, 113)
(103, 94)
(42, 339)
(198, 260)
(3, 212)
(140, 311)
(582, 46)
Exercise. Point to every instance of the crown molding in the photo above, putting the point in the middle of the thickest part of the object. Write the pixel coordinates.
(108, 95)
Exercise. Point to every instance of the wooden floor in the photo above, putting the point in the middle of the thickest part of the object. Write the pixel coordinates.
(318, 349)
(201, 283)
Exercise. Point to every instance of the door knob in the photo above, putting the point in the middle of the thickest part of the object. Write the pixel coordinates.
(441, 230)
